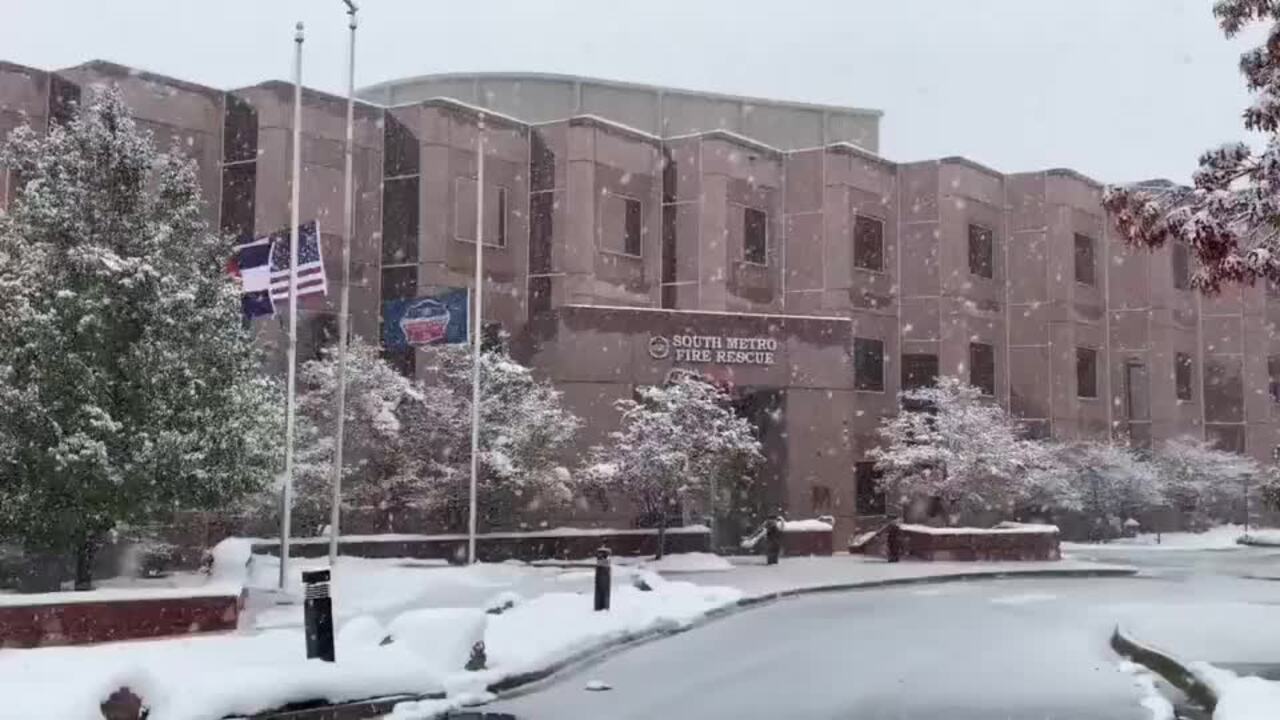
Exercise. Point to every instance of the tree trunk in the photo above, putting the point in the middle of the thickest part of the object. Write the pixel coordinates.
(662, 534)
(86, 552)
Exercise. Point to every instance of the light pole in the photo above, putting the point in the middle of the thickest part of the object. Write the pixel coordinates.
(344, 292)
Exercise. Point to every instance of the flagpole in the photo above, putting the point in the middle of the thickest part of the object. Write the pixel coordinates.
(286, 514)
(475, 327)
(348, 230)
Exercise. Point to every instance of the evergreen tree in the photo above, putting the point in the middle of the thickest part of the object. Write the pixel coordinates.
(127, 387)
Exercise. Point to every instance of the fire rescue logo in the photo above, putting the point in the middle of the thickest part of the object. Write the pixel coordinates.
(659, 347)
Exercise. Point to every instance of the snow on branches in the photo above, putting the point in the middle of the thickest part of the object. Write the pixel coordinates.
(952, 444)
(1230, 218)
(673, 440)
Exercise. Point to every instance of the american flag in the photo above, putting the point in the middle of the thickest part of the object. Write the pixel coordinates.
(311, 278)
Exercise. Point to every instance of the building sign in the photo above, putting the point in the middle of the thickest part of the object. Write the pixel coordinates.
(718, 349)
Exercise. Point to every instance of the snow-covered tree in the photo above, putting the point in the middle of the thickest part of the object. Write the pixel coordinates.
(951, 444)
(1109, 483)
(673, 441)
(1230, 218)
(379, 469)
(129, 388)
(525, 430)
(1200, 480)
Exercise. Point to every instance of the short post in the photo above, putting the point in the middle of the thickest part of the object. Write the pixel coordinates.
(317, 615)
(604, 578)
(772, 540)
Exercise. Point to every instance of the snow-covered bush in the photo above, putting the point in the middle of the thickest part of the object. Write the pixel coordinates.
(127, 385)
(408, 443)
(952, 445)
(1108, 483)
(674, 440)
(1203, 483)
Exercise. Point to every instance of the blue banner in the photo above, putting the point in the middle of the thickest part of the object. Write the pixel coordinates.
(433, 320)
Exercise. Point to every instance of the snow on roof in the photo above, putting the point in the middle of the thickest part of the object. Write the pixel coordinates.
(215, 589)
(614, 124)
(810, 525)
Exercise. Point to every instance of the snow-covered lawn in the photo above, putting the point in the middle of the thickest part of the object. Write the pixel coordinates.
(1222, 537)
(1261, 536)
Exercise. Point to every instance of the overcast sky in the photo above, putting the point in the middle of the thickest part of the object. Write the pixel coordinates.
(1117, 89)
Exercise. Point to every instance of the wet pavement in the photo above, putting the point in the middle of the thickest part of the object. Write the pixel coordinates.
(1016, 649)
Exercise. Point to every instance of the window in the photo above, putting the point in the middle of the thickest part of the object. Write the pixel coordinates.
(399, 283)
(980, 252)
(1084, 260)
(400, 148)
(919, 370)
(64, 96)
(982, 367)
(620, 226)
(820, 498)
(239, 188)
(1086, 372)
(239, 131)
(868, 243)
(868, 495)
(1181, 259)
(1182, 374)
(1273, 375)
(500, 233)
(868, 364)
(400, 220)
(755, 236)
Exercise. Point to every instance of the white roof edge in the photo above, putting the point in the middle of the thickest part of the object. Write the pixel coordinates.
(444, 99)
(562, 77)
(734, 136)
(763, 316)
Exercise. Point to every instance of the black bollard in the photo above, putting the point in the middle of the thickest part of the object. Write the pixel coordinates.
(317, 614)
(604, 578)
(772, 540)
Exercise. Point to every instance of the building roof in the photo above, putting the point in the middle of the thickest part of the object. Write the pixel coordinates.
(559, 77)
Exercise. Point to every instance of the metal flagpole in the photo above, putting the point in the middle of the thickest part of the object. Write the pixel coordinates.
(344, 299)
(295, 193)
(475, 328)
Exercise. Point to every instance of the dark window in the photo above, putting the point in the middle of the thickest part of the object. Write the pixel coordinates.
(400, 220)
(539, 295)
(1182, 374)
(1223, 389)
(541, 231)
(755, 236)
(324, 332)
(239, 188)
(820, 498)
(400, 148)
(500, 234)
(542, 164)
(868, 364)
(631, 244)
(919, 370)
(868, 243)
(982, 367)
(1273, 375)
(1136, 387)
(1181, 267)
(493, 338)
(1226, 437)
(239, 130)
(980, 252)
(1086, 372)
(1084, 260)
(64, 97)
(868, 495)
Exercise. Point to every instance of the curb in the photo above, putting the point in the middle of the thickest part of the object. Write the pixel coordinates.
(521, 680)
(1166, 666)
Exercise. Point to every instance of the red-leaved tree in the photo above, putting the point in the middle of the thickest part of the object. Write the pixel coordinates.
(1230, 218)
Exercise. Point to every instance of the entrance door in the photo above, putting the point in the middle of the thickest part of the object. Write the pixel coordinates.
(765, 494)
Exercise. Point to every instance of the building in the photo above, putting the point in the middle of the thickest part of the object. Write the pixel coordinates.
(633, 230)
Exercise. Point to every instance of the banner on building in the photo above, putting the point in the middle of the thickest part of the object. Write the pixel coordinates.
(432, 320)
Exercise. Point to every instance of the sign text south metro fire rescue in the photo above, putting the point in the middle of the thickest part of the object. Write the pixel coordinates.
(719, 349)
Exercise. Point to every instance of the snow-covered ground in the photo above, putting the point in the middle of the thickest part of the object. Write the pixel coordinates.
(432, 613)
(1261, 536)
(1222, 537)
(1240, 698)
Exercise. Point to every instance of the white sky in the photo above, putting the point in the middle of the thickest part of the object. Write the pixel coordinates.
(1117, 89)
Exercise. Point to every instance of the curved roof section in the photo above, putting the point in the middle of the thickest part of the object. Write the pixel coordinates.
(659, 110)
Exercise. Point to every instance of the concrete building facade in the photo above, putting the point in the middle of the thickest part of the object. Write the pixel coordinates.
(632, 231)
